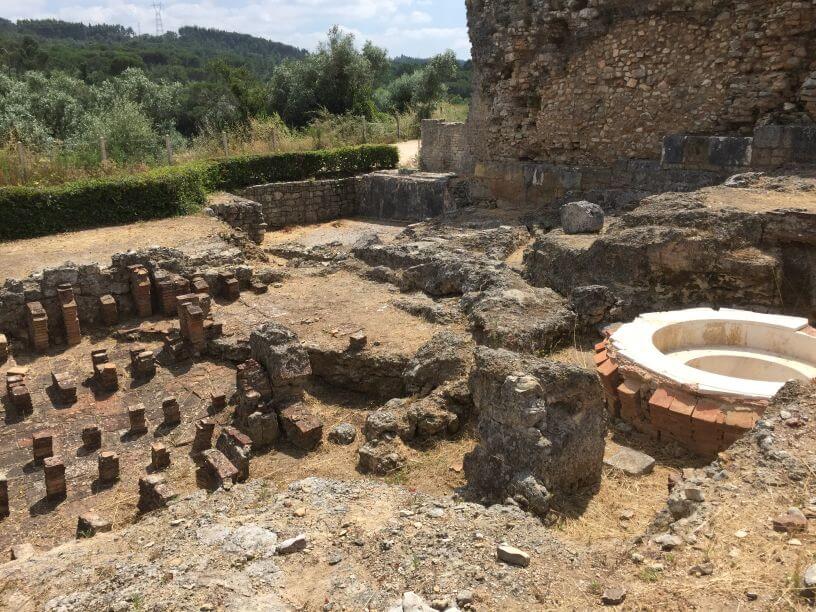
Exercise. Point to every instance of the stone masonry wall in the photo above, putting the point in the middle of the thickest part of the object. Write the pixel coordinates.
(444, 148)
(240, 213)
(591, 82)
(300, 202)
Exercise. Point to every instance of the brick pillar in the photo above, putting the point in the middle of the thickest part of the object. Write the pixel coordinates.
(218, 401)
(42, 445)
(192, 325)
(37, 326)
(200, 286)
(230, 286)
(159, 457)
(108, 310)
(70, 316)
(65, 387)
(108, 463)
(203, 435)
(92, 437)
(17, 390)
(136, 415)
(106, 373)
(140, 290)
(4, 495)
(170, 408)
(54, 470)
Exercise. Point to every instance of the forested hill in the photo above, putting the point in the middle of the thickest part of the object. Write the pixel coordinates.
(97, 52)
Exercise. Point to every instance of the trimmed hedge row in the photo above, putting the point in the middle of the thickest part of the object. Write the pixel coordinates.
(27, 212)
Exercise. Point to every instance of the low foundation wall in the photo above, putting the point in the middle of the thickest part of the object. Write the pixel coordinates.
(301, 202)
(771, 146)
(406, 197)
(242, 214)
(444, 148)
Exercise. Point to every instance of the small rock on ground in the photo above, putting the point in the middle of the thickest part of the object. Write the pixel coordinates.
(631, 462)
(512, 555)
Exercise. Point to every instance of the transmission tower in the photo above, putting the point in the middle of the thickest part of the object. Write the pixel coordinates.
(157, 7)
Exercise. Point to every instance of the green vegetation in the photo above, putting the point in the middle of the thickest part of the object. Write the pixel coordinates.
(65, 86)
(27, 212)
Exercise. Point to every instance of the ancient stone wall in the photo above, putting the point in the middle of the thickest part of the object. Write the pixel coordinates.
(407, 197)
(302, 202)
(240, 213)
(593, 82)
(444, 148)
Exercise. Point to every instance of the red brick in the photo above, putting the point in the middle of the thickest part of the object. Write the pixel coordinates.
(629, 395)
(600, 357)
(740, 420)
(613, 405)
(682, 406)
(601, 346)
(708, 411)
(609, 375)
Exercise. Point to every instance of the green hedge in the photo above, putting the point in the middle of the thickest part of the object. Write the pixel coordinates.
(26, 212)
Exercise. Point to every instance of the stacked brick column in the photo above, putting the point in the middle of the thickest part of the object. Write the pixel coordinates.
(191, 319)
(159, 457)
(170, 409)
(108, 464)
(17, 390)
(140, 290)
(169, 287)
(665, 412)
(54, 470)
(37, 326)
(203, 435)
(42, 446)
(108, 310)
(70, 316)
(231, 289)
(105, 372)
(91, 437)
(4, 495)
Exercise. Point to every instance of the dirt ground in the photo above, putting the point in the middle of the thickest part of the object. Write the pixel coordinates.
(97, 245)
(343, 231)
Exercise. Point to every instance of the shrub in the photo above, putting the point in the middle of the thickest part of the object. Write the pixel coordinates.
(26, 212)
(239, 172)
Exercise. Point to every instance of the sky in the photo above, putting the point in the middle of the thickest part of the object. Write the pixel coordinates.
(418, 28)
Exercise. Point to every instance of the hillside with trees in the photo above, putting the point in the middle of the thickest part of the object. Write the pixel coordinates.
(64, 86)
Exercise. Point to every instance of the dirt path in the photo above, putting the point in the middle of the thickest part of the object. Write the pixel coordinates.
(409, 153)
(22, 257)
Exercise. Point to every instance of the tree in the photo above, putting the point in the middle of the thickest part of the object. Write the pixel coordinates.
(336, 77)
(421, 89)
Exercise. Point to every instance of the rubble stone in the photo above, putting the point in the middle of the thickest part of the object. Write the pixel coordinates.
(301, 427)
(90, 524)
(582, 218)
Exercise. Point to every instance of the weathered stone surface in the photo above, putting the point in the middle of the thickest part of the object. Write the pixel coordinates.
(293, 545)
(279, 350)
(380, 457)
(792, 521)
(541, 427)
(582, 218)
(631, 462)
(375, 373)
(446, 356)
(263, 428)
(343, 434)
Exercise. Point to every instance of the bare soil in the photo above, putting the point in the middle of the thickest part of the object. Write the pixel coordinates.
(20, 258)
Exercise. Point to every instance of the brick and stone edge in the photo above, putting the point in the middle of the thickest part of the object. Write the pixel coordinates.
(702, 424)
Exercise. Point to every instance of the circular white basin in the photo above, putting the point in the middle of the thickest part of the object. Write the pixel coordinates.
(721, 352)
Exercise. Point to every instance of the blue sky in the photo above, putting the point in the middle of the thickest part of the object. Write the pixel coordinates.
(412, 27)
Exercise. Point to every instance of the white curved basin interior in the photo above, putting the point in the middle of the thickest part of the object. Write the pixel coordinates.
(731, 352)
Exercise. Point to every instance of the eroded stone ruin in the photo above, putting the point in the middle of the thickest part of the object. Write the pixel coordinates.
(623, 163)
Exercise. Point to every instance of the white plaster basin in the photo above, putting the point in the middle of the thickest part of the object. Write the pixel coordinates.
(721, 352)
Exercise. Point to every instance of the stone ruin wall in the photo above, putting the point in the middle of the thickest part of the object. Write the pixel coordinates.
(591, 83)
(301, 202)
(444, 147)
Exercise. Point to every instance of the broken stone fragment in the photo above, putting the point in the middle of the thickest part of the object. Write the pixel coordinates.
(293, 545)
(631, 462)
(279, 350)
(512, 555)
(613, 596)
(809, 581)
(792, 521)
(90, 523)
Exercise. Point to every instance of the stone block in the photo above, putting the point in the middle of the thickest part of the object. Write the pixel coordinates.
(582, 218)
(262, 428)
(217, 470)
(90, 524)
(631, 462)
(301, 427)
(154, 493)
